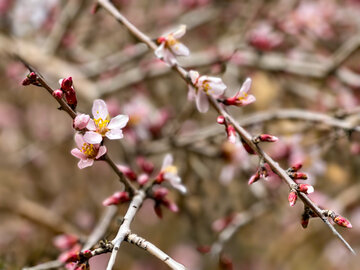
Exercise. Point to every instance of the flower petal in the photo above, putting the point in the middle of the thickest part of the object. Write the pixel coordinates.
(83, 163)
(180, 49)
(91, 125)
(180, 31)
(169, 58)
(77, 153)
(194, 75)
(99, 109)
(101, 152)
(217, 88)
(168, 160)
(118, 121)
(191, 93)
(202, 102)
(160, 50)
(114, 134)
(246, 86)
(79, 140)
(92, 137)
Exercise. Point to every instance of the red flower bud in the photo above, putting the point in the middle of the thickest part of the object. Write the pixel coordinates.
(145, 165)
(292, 198)
(26, 81)
(66, 84)
(129, 173)
(305, 188)
(248, 148)
(220, 119)
(254, 178)
(296, 167)
(267, 138)
(298, 175)
(339, 220)
(57, 94)
(70, 97)
(117, 198)
(160, 193)
(203, 249)
(305, 221)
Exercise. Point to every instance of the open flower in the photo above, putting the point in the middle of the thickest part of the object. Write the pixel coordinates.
(87, 152)
(242, 98)
(170, 47)
(169, 173)
(202, 86)
(101, 126)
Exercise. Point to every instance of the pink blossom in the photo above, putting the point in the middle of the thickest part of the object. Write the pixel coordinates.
(242, 98)
(169, 173)
(81, 121)
(201, 87)
(87, 152)
(170, 47)
(101, 126)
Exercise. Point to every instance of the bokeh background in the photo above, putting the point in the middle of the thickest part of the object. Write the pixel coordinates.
(302, 57)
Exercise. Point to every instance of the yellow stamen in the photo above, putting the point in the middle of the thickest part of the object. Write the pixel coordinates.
(101, 125)
(89, 150)
(171, 169)
(206, 86)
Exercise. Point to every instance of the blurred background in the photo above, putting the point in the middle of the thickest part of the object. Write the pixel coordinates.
(303, 59)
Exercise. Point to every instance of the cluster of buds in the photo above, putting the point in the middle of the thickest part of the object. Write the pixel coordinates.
(67, 90)
(31, 78)
(146, 167)
(117, 198)
(159, 196)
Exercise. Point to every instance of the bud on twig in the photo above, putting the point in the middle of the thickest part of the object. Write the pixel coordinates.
(220, 119)
(298, 175)
(341, 221)
(231, 133)
(57, 94)
(254, 178)
(295, 167)
(265, 138)
(305, 188)
(129, 173)
(117, 198)
(292, 197)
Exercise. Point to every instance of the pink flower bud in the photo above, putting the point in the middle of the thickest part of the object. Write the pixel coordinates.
(143, 179)
(203, 249)
(145, 165)
(70, 256)
(339, 220)
(254, 178)
(298, 175)
(57, 94)
(267, 138)
(32, 76)
(66, 84)
(117, 198)
(292, 198)
(220, 119)
(305, 188)
(220, 224)
(26, 81)
(65, 241)
(160, 193)
(81, 121)
(231, 133)
(86, 254)
(248, 148)
(129, 173)
(296, 167)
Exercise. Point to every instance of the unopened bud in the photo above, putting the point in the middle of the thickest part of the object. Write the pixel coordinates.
(248, 148)
(305, 188)
(341, 221)
(65, 241)
(117, 198)
(305, 220)
(298, 175)
(231, 133)
(254, 178)
(220, 119)
(143, 179)
(265, 138)
(57, 94)
(129, 173)
(26, 81)
(292, 198)
(66, 83)
(81, 121)
(70, 97)
(296, 167)
(145, 165)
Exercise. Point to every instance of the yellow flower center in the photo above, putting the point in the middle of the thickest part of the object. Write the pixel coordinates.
(206, 86)
(171, 169)
(89, 150)
(171, 41)
(243, 96)
(101, 125)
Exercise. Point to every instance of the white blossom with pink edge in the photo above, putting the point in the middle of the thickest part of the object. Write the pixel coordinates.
(81, 121)
(169, 173)
(170, 47)
(242, 97)
(86, 152)
(203, 86)
(101, 126)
